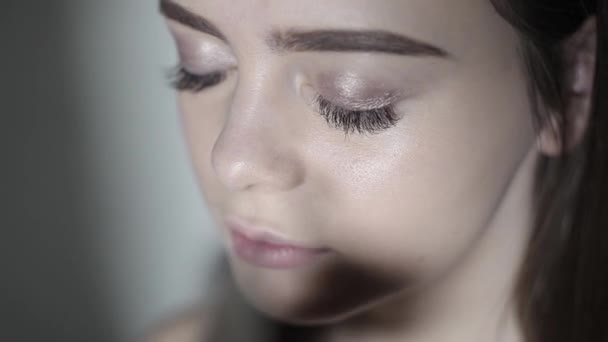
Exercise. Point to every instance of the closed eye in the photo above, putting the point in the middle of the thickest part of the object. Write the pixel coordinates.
(183, 80)
(372, 121)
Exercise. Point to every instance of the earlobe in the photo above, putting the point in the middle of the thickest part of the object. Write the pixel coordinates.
(579, 58)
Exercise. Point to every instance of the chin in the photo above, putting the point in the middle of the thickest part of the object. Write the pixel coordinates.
(319, 316)
(310, 298)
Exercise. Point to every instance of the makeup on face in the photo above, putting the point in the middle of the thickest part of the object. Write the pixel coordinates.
(373, 200)
(355, 82)
(351, 91)
(202, 55)
(259, 247)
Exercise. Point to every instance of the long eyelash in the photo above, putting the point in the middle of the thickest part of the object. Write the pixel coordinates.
(360, 121)
(182, 80)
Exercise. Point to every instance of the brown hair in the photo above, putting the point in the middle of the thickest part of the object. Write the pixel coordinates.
(563, 288)
(562, 291)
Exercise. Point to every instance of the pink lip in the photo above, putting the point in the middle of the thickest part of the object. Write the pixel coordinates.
(270, 252)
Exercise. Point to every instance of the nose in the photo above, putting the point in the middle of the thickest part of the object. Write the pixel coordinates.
(253, 151)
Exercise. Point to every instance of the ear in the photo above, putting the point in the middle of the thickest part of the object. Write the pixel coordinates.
(579, 53)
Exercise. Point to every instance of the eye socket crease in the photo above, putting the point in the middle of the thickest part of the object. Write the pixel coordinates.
(315, 40)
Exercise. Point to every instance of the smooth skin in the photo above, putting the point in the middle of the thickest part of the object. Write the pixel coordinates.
(426, 221)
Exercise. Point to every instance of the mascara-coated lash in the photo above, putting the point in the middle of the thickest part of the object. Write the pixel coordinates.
(360, 121)
(182, 80)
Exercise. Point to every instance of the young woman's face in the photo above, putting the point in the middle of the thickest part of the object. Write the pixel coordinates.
(349, 149)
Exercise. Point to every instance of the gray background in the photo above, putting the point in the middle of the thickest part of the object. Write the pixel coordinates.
(103, 231)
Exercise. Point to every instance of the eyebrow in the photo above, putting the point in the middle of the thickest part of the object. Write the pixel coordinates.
(351, 41)
(186, 17)
(316, 40)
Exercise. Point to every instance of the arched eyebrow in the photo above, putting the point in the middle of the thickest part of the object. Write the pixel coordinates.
(315, 40)
(351, 41)
(182, 15)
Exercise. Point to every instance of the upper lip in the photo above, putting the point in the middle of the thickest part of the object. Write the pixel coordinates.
(264, 234)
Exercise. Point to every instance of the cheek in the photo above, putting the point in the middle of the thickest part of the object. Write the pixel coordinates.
(416, 198)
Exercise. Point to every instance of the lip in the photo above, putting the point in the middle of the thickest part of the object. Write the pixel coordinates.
(264, 249)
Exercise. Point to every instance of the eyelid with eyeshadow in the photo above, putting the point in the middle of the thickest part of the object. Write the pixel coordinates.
(362, 104)
(202, 56)
(355, 92)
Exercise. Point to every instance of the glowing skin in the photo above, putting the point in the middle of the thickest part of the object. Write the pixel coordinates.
(425, 222)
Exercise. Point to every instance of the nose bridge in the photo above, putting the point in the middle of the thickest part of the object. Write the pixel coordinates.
(253, 150)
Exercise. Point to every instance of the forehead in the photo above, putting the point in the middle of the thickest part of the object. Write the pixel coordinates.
(461, 26)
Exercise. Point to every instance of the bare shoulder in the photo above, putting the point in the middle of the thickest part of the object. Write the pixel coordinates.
(189, 326)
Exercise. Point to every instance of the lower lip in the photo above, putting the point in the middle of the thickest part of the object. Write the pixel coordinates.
(271, 255)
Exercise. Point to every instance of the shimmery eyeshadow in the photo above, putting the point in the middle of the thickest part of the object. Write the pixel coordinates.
(355, 92)
(202, 57)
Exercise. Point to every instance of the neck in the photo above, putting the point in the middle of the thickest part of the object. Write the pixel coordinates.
(475, 302)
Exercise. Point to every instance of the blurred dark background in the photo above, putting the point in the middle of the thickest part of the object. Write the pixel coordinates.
(44, 215)
(103, 232)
